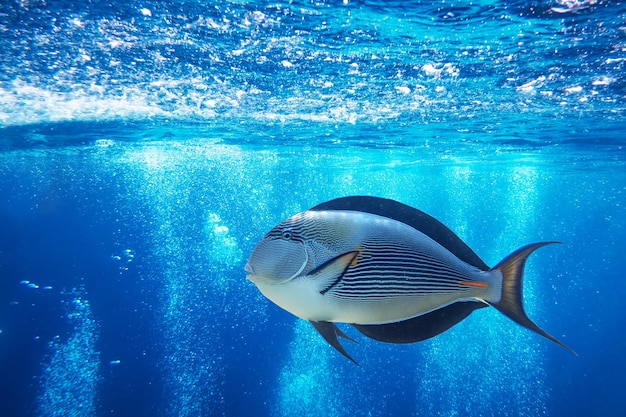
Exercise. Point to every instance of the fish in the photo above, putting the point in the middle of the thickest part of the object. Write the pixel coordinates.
(394, 273)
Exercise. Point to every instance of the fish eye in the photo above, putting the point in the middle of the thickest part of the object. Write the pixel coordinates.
(286, 235)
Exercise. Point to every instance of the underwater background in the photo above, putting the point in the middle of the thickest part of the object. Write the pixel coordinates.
(146, 147)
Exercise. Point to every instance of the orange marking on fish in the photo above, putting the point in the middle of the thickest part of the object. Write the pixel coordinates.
(473, 284)
(355, 260)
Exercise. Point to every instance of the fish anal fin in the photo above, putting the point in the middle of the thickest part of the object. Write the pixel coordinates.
(329, 332)
(420, 328)
(510, 303)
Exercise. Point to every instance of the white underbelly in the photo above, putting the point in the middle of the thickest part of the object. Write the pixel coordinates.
(391, 310)
(302, 299)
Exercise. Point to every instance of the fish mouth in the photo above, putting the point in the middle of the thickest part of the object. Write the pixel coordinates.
(255, 278)
(250, 272)
(278, 270)
(260, 280)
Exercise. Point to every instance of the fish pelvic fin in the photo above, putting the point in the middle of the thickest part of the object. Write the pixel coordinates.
(510, 303)
(329, 332)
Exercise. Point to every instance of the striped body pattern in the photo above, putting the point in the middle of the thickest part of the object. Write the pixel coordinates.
(385, 270)
(362, 268)
(393, 272)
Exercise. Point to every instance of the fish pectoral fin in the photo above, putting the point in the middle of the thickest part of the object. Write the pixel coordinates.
(329, 332)
(330, 272)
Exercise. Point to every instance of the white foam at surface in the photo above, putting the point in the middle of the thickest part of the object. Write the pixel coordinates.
(26, 104)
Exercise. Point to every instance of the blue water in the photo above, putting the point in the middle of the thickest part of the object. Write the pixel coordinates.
(146, 147)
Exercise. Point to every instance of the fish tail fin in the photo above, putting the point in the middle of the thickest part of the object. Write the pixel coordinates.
(510, 303)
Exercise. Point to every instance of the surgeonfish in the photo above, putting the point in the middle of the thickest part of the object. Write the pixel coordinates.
(393, 272)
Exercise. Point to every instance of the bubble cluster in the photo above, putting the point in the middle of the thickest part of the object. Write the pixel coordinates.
(71, 373)
(308, 376)
(222, 246)
(488, 354)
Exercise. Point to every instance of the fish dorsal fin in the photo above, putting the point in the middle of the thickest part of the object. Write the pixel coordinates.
(413, 217)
